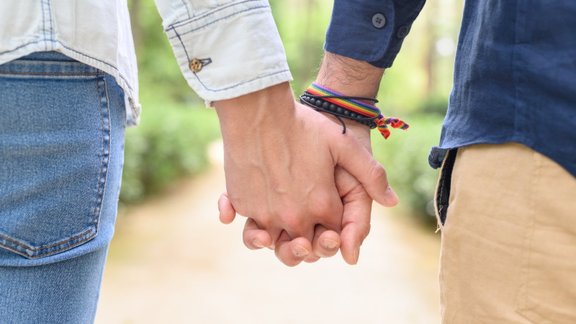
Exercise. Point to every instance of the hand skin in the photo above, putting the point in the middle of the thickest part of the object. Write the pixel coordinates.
(280, 162)
(357, 206)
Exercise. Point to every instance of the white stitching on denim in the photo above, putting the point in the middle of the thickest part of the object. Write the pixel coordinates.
(182, 44)
(34, 252)
(229, 87)
(105, 126)
(50, 20)
(220, 19)
(43, 22)
(28, 251)
(241, 83)
(210, 12)
(77, 52)
(185, 4)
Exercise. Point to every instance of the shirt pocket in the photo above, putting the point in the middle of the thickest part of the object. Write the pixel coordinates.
(54, 148)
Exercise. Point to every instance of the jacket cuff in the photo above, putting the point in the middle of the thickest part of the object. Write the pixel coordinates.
(369, 30)
(230, 51)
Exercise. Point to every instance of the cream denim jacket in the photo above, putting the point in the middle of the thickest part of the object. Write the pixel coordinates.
(225, 48)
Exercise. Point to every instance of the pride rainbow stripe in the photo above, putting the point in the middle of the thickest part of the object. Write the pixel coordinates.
(359, 107)
(356, 106)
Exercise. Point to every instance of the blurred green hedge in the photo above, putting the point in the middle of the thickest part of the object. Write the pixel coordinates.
(405, 157)
(171, 142)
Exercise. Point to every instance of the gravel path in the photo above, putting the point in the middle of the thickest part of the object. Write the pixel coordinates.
(172, 262)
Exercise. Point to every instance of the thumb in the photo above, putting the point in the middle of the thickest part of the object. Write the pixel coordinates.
(354, 158)
(226, 210)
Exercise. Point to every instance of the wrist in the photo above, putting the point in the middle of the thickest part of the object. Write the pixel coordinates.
(255, 112)
(349, 76)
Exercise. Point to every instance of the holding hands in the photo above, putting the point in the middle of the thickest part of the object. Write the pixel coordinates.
(305, 188)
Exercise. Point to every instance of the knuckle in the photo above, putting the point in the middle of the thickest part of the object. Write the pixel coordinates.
(293, 221)
(263, 220)
(323, 205)
(376, 171)
(365, 230)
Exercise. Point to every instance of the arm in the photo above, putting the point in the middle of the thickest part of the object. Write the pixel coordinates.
(363, 39)
(225, 49)
(279, 156)
(280, 162)
(355, 78)
(356, 54)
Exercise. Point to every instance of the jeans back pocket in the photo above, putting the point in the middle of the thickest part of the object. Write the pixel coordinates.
(54, 153)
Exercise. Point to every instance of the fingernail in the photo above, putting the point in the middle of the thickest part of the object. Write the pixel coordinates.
(257, 243)
(329, 244)
(300, 252)
(356, 255)
(391, 195)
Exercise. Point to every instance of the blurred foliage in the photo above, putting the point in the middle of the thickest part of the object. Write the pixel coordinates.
(175, 130)
(170, 142)
(405, 156)
(172, 138)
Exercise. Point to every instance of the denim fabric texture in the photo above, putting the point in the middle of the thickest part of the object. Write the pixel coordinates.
(94, 32)
(98, 33)
(61, 151)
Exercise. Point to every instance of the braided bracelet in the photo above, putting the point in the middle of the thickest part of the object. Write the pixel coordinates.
(350, 107)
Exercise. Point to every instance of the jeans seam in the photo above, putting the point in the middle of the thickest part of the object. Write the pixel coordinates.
(208, 13)
(50, 20)
(115, 68)
(182, 44)
(235, 85)
(34, 252)
(51, 74)
(185, 5)
(222, 18)
(105, 126)
(231, 86)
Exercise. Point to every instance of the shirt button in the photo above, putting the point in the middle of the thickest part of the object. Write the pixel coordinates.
(195, 65)
(403, 31)
(378, 20)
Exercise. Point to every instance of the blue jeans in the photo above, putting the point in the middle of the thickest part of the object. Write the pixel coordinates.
(61, 154)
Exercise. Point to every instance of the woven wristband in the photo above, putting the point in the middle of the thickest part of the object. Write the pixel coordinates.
(353, 108)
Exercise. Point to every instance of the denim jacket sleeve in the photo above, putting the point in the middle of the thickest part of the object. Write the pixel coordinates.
(371, 30)
(225, 48)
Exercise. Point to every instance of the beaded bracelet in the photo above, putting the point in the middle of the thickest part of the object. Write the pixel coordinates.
(349, 107)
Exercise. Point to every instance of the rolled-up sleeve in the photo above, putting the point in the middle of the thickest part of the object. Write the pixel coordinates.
(371, 30)
(225, 48)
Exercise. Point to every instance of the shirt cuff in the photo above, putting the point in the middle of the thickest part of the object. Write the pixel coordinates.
(230, 50)
(371, 30)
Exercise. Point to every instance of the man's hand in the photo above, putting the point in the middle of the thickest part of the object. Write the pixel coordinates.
(357, 206)
(280, 161)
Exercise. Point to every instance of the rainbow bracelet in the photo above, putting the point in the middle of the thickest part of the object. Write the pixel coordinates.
(339, 105)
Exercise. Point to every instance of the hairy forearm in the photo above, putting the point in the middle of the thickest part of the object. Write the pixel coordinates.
(349, 76)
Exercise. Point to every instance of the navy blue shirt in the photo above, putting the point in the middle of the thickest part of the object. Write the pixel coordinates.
(515, 69)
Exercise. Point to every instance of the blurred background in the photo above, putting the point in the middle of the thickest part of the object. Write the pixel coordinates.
(172, 262)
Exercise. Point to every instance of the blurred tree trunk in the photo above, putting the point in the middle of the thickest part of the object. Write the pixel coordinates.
(135, 7)
(430, 48)
(309, 52)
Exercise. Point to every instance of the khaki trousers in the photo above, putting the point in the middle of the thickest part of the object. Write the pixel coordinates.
(509, 237)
